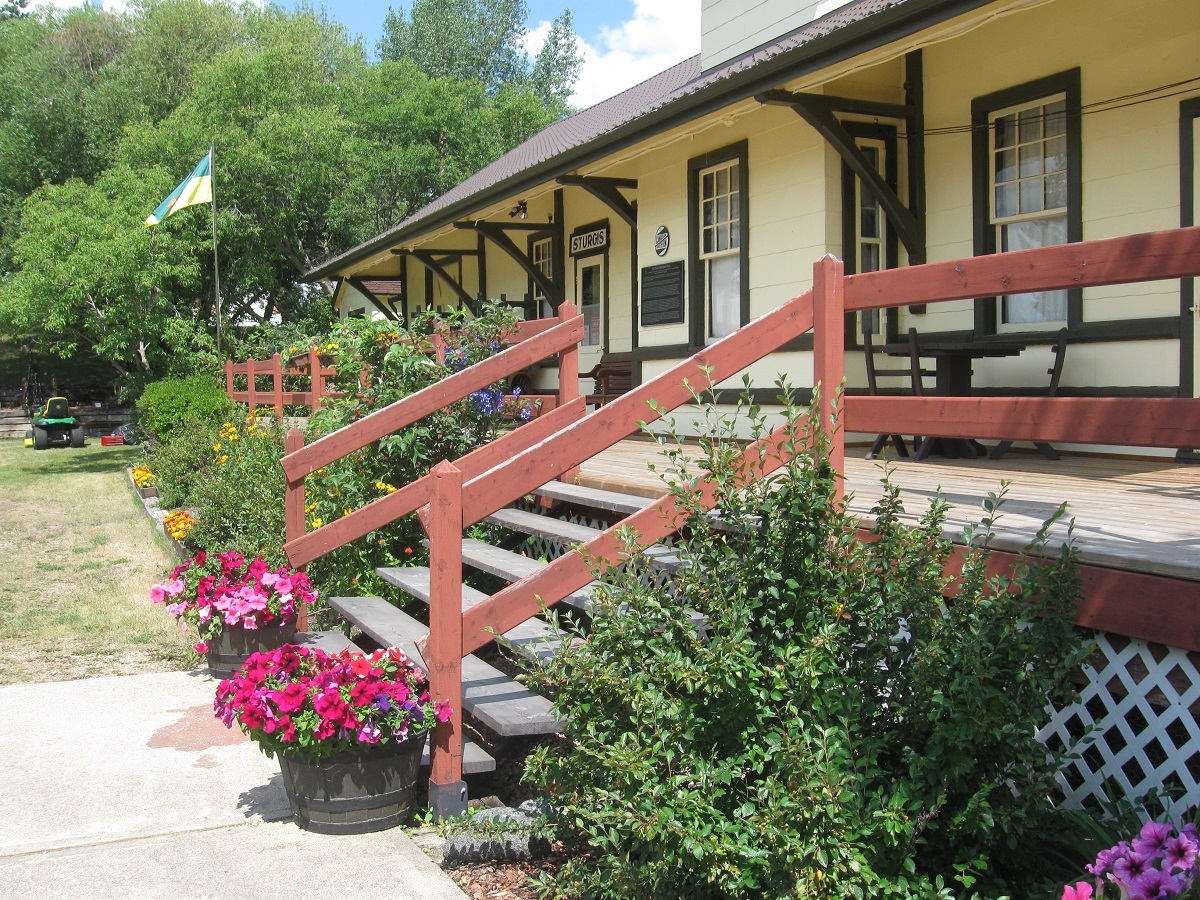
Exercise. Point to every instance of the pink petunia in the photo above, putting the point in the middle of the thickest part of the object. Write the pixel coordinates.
(1081, 891)
(443, 710)
(200, 646)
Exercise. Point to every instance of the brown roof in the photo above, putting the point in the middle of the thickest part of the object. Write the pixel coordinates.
(680, 93)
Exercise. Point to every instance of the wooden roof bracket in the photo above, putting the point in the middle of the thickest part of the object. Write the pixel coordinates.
(818, 111)
(429, 259)
(495, 232)
(608, 191)
(359, 285)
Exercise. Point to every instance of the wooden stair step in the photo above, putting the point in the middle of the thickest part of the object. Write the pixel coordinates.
(534, 639)
(329, 641)
(611, 501)
(514, 567)
(503, 705)
(476, 760)
(557, 530)
(567, 533)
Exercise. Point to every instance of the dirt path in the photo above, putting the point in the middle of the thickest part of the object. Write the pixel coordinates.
(77, 558)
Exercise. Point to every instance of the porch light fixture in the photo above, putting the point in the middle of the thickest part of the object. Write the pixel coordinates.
(520, 210)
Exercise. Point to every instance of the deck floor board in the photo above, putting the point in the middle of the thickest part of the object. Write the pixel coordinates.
(1133, 513)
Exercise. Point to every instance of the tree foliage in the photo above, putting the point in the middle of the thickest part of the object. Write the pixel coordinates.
(482, 40)
(316, 149)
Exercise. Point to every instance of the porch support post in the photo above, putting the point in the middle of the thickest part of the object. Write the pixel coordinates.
(496, 233)
(818, 111)
(447, 790)
(568, 377)
(429, 261)
(829, 362)
(293, 510)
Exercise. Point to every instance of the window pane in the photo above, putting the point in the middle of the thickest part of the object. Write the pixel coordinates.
(869, 222)
(1005, 130)
(709, 180)
(722, 213)
(1033, 233)
(1056, 154)
(735, 234)
(1056, 191)
(1043, 306)
(708, 212)
(722, 181)
(1006, 165)
(1006, 200)
(1031, 160)
(1031, 195)
(1031, 124)
(868, 258)
(733, 177)
(725, 295)
(1056, 118)
(708, 241)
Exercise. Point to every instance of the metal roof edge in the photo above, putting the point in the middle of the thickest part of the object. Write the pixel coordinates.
(906, 17)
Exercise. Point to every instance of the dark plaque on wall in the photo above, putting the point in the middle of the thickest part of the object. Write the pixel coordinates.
(662, 294)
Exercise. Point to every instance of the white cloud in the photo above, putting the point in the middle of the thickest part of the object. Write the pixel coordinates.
(660, 34)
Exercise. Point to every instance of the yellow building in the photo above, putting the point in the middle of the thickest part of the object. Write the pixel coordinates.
(885, 132)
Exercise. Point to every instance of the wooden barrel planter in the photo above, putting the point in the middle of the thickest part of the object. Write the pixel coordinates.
(355, 791)
(233, 646)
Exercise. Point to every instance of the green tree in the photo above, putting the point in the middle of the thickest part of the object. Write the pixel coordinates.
(481, 40)
(92, 278)
(10, 9)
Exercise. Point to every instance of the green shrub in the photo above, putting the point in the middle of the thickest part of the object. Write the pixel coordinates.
(378, 364)
(238, 493)
(174, 404)
(837, 728)
(181, 461)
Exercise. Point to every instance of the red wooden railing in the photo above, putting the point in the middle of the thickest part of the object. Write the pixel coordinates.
(463, 493)
(303, 366)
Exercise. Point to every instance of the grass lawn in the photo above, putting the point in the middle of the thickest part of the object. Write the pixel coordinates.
(77, 559)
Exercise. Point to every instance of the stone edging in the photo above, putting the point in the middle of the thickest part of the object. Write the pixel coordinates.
(156, 513)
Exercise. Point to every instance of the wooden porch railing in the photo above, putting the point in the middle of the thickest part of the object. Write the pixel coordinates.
(462, 494)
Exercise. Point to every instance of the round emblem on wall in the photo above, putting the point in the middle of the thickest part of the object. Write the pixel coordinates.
(662, 240)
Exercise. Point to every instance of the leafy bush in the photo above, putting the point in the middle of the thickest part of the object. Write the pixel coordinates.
(175, 404)
(837, 727)
(380, 363)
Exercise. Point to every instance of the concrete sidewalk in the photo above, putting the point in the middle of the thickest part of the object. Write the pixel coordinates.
(129, 788)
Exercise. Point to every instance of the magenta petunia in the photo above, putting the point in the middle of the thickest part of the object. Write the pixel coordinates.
(1081, 891)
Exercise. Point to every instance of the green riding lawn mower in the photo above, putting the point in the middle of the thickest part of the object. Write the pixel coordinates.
(54, 426)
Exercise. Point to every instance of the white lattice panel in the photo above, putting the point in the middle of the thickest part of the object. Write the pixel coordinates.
(1139, 703)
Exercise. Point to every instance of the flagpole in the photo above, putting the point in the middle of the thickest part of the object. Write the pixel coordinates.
(212, 180)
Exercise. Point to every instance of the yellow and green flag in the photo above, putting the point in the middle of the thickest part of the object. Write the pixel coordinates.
(196, 188)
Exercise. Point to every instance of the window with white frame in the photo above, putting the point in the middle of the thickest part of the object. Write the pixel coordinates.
(541, 254)
(720, 242)
(869, 225)
(1029, 203)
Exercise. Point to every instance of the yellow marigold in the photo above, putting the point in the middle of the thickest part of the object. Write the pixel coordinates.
(317, 522)
(347, 511)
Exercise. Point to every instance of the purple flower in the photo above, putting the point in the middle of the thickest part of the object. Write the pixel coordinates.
(1152, 838)
(1128, 866)
(1154, 884)
(1180, 853)
(1106, 858)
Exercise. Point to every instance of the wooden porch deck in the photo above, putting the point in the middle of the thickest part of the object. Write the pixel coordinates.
(1134, 514)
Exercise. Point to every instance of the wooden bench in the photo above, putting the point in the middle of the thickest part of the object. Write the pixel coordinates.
(613, 376)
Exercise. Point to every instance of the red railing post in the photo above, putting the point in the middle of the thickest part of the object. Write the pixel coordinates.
(829, 357)
(316, 380)
(251, 386)
(447, 790)
(277, 384)
(293, 511)
(229, 378)
(568, 376)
